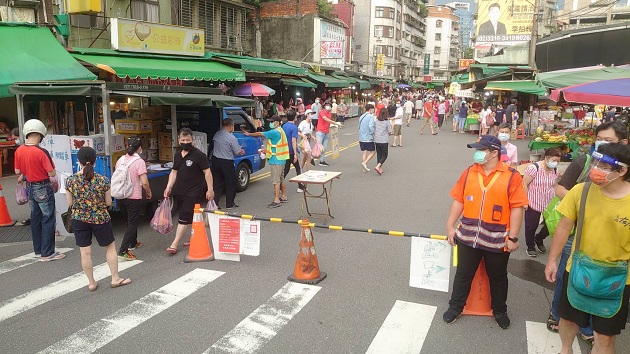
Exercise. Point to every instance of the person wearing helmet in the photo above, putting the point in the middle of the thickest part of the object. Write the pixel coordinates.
(35, 164)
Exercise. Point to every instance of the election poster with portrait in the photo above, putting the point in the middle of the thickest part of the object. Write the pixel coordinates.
(501, 24)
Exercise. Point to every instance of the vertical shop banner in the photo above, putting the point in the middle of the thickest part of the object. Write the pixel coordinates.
(430, 264)
(427, 63)
(504, 24)
(334, 140)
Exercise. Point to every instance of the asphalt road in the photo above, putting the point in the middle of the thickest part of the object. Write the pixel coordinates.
(248, 306)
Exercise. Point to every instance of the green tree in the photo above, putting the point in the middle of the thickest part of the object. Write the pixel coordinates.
(468, 53)
(422, 9)
(325, 8)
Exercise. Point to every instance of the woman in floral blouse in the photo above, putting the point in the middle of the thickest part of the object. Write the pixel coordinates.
(89, 195)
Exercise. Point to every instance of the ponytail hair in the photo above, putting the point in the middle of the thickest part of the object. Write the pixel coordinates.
(87, 158)
(133, 145)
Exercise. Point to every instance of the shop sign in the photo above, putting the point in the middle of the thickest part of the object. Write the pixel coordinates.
(465, 94)
(465, 63)
(147, 37)
(440, 78)
(331, 50)
(380, 62)
(428, 78)
(148, 81)
(427, 63)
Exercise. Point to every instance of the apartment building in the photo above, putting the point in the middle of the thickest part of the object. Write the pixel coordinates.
(442, 41)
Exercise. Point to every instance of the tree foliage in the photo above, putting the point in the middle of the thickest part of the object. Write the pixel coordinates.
(325, 8)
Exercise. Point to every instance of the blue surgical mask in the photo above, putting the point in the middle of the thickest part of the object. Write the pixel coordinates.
(480, 157)
(552, 164)
(271, 126)
(599, 143)
(504, 136)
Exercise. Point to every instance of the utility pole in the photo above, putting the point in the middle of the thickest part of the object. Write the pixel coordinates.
(532, 43)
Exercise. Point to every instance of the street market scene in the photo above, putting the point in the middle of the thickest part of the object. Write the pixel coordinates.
(167, 168)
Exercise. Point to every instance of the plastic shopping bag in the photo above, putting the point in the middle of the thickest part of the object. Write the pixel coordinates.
(552, 216)
(21, 197)
(211, 206)
(162, 221)
(317, 149)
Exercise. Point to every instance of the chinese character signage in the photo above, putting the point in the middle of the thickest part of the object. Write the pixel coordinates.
(139, 36)
(331, 43)
(427, 62)
(380, 61)
(331, 50)
(503, 24)
(465, 63)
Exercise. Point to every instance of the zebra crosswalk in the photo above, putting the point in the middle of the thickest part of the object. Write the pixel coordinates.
(403, 330)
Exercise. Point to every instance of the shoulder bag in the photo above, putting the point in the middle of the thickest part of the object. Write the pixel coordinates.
(594, 286)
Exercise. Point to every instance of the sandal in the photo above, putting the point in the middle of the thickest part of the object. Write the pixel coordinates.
(187, 243)
(588, 339)
(552, 324)
(122, 282)
(171, 250)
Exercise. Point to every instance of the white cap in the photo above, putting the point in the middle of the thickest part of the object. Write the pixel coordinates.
(308, 111)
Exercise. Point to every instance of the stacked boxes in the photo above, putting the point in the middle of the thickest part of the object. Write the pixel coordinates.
(166, 144)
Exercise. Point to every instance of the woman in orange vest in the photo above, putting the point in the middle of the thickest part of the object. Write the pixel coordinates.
(489, 197)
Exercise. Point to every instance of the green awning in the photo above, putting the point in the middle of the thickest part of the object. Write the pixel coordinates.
(258, 65)
(364, 84)
(418, 85)
(61, 90)
(33, 54)
(524, 86)
(161, 68)
(328, 81)
(190, 99)
(460, 78)
(564, 78)
(298, 83)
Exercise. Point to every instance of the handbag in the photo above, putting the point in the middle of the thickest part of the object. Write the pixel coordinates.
(67, 220)
(594, 286)
(552, 216)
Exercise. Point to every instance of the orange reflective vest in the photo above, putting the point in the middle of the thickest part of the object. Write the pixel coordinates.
(280, 150)
(485, 223)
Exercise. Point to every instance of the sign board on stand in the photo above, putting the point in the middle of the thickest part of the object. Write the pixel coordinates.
(232, 237)
(430, 264)
(334, 139)
(58, 146)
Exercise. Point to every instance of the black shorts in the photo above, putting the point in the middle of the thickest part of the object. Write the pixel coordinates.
(367, 145)
(497, 123)
(186, 208)
(83, 232)
(606, 326)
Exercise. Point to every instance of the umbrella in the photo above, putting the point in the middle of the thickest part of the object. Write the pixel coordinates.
(614, 92)
(405, 86)
(253, 89)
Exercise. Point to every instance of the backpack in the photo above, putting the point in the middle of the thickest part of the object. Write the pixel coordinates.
(121, 183)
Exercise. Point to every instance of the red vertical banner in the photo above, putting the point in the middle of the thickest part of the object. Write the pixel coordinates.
(229, 235)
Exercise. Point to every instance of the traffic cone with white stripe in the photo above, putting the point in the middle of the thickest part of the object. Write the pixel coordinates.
(5, 217)
(199, 250)
(306, 269)
(479, 300)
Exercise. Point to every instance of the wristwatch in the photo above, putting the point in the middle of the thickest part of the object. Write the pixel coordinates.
(513, 239)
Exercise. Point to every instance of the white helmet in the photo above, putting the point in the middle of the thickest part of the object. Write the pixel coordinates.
(34, 126)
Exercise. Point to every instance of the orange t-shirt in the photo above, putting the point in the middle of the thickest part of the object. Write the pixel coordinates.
(428, 110)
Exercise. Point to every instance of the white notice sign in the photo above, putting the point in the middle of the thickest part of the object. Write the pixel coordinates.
(430, 264)
(245, 236)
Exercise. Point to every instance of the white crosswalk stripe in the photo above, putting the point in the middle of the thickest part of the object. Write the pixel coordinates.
(542, 341)
(251, 334)
(95, 336)
(22, 261)
(404, 330)
(54, 290)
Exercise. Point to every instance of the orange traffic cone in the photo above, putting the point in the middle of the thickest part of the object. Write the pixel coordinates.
(306, 265)
(199, 250)
(478, 302)
(5, 218)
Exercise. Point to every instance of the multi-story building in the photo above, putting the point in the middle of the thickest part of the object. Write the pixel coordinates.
(464, 9)
(574, 14)
(344, 10)
(442, 41)
(389, 37)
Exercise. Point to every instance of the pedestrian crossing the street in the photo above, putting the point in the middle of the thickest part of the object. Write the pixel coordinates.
(22, 261)
(403, 331)
(54, 290)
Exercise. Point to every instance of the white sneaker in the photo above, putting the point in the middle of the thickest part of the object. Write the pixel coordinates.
(300, 190)
(365, 168)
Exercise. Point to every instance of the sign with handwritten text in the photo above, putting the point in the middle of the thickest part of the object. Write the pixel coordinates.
(59, 148)
(430, 264)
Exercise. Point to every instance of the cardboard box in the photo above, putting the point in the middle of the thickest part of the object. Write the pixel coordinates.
(157, 126)
(166, 154)
(133, 126)
(96, 142)
(166, 140)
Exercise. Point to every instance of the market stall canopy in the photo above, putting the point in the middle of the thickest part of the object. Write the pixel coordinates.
(607, 92)
(570, 77)
(524, 86)
(258, 65)
(190, 99)
(328, 81)
(32, 53)
(253, 89)
(358, 84)
(158, 67)
(364, 84)
(298, 83)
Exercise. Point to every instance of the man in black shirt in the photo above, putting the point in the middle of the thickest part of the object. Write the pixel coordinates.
(191, 171)
(510, 111)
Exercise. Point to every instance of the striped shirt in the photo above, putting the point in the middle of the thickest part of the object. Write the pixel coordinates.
(540, 190)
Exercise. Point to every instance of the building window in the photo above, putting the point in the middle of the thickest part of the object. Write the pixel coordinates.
(357, 46)
(437, 50)
(398, 17)
(384, 31)
(436, 63)
(397, 54)
(398, 34)
(145, 10)
(438, 36)
(386, 50)
(384, 12)
(224, 24)
(438, 23)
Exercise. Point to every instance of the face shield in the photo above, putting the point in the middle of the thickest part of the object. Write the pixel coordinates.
(604, 169)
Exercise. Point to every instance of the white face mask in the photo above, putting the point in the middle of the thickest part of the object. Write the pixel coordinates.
(599, 143)
(504, 136)
(327, 108)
